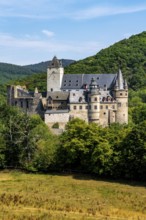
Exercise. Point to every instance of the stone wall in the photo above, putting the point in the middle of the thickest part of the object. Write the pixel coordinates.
(61, 118)
(79, 113)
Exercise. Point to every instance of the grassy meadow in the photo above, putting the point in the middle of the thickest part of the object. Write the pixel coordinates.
(79, 197)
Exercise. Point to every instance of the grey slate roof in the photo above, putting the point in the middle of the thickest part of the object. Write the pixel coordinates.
(58, 95)
(56, 111)
(77, 81)
(77, 96)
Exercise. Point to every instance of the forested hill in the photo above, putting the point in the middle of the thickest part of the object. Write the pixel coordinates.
(11, 72)
(42, 67)
(128, 54)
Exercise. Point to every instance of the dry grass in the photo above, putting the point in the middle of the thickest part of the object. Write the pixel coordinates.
(36, 197)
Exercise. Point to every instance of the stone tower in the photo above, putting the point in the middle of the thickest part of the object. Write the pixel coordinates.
(94, 102)
(121, 95)
(55, 74)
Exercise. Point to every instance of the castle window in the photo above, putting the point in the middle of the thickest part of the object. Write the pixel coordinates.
(101, 107)
(74, 94)
(86, 107)
(104, 113)
(95, 106)
(113, 107)
(64, 84)
(97, 77)
(51, 90)
(21, 104)
(69, 80)
(119, 104)
(69, 84)
(80, 99)
(89, 106)
(75, 107)
(95, 99)
(64, 80)
(105, 85)
(89, 99)
(27, 104)
(76, 80)
(126, 94)
(76, 84)
(15, 102)
(121, 94)
(80, 106)
(56, 97)
(106, 106)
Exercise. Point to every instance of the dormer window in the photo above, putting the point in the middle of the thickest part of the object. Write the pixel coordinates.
(80, 99)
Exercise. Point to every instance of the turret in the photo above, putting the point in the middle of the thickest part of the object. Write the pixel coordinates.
(120, 93)
(55, 74)
(94, 102)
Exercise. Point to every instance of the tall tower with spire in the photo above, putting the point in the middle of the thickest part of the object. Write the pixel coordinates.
(120, 93)
(55, 74)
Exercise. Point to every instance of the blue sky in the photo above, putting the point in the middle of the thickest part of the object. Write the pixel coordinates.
(33, 31)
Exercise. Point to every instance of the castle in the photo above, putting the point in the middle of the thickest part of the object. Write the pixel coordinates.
(99, 98)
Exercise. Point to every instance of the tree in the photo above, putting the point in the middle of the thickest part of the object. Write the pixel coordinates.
(134, 152)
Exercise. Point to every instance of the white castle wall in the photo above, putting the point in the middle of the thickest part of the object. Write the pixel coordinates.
(61, 118)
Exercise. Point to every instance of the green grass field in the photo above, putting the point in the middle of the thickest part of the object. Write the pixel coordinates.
(54, 197)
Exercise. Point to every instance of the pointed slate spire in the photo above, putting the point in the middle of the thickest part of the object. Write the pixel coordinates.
(125, 84)
(116, 87)
(120, 80)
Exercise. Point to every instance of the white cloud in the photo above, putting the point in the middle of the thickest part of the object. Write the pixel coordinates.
(97, 11)
(48, 33)
(48, 9)
(30, 48)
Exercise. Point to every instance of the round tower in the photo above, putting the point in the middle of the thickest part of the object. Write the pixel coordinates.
(93, 102)
(121, 95)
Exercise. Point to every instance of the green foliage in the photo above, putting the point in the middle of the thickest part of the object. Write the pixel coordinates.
(12, 72)
(21, 138)
(55, 125)
(134, 152)
(33, 81)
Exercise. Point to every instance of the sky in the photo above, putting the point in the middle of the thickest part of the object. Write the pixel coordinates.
(32, 31)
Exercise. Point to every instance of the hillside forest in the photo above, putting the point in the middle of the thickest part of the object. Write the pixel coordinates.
(117, 151)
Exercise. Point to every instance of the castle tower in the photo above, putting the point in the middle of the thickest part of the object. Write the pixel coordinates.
(94, 102)
(55, 74)
(120, 93)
